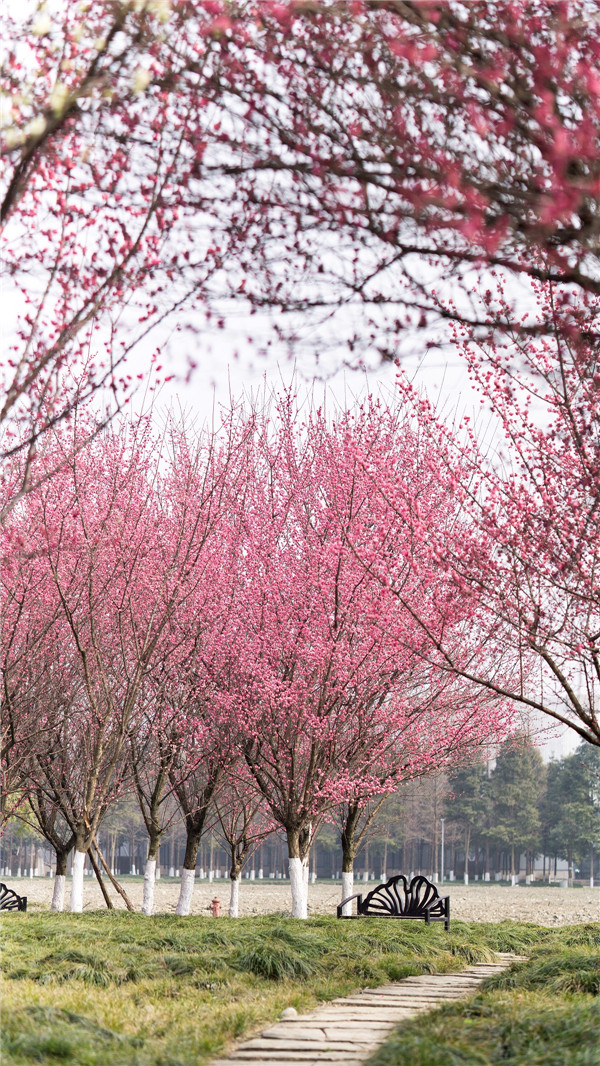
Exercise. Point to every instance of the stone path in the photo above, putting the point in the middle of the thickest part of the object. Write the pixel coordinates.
(348, 1030)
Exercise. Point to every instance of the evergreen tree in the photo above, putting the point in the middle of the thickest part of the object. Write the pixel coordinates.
(573, 806)
(550, 810)
(517, 785)
(468, 802)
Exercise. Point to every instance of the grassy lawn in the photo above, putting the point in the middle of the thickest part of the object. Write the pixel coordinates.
(541, 1013)
(118, 989)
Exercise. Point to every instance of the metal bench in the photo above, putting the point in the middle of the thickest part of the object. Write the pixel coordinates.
(399, 899)
(10, 901)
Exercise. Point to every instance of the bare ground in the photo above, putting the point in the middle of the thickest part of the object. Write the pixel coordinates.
(542, 904)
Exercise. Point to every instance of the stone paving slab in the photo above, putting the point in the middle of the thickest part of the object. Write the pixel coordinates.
(349, 1029)
(343, 1057)
(264, 1044)
(376, 1014)
(319, 1030)
(327, 1054)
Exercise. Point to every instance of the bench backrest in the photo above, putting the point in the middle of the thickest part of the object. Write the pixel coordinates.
(398, 897)
(10, 901)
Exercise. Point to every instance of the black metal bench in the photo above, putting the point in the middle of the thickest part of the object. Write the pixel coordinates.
(10, 901)
(397, 899)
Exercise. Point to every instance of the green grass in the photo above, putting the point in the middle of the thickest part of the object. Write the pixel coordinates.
(539, 1013)
(118, 989)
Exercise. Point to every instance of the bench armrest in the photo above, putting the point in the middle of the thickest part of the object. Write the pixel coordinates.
(445, 901)
(348, 900)
(434, 902)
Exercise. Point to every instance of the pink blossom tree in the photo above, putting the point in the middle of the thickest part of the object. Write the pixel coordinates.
(151, 752)
(243, 824)
(538, 508)
(38, 688)
(529, 553)
(90, 524)
(446, 720)
(204, 753)
(389, 158)
(26, 671)
(327, 684)
(56, 777)
(101, 134)
(521, 556)
(122, 546)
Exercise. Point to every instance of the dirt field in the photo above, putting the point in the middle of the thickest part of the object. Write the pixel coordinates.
(540, 904)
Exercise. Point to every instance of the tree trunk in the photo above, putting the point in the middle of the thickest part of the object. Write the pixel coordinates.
(467, 846)
(349, 851)
(234, 899)
(100, 880)
(347, 889)
(188, 872)
(298, 883)
(298, 887)
(348, 838)
(77, 881)
(150, 875)
(149, 881)
(60, 881)
(118, 888)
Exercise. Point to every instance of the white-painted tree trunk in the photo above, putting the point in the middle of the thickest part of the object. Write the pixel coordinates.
(58, 895)
(347, 889)
(149, 880)
(77, 881)
(234, 899)
(299, 888)
(185, 892)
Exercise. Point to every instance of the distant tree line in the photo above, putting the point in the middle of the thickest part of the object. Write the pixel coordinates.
(495, 812)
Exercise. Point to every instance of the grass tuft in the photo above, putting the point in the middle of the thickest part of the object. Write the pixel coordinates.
(273, 963)
(570, 971)
(180, 965)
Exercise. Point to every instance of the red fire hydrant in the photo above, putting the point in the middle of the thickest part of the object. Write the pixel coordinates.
(215, 907)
